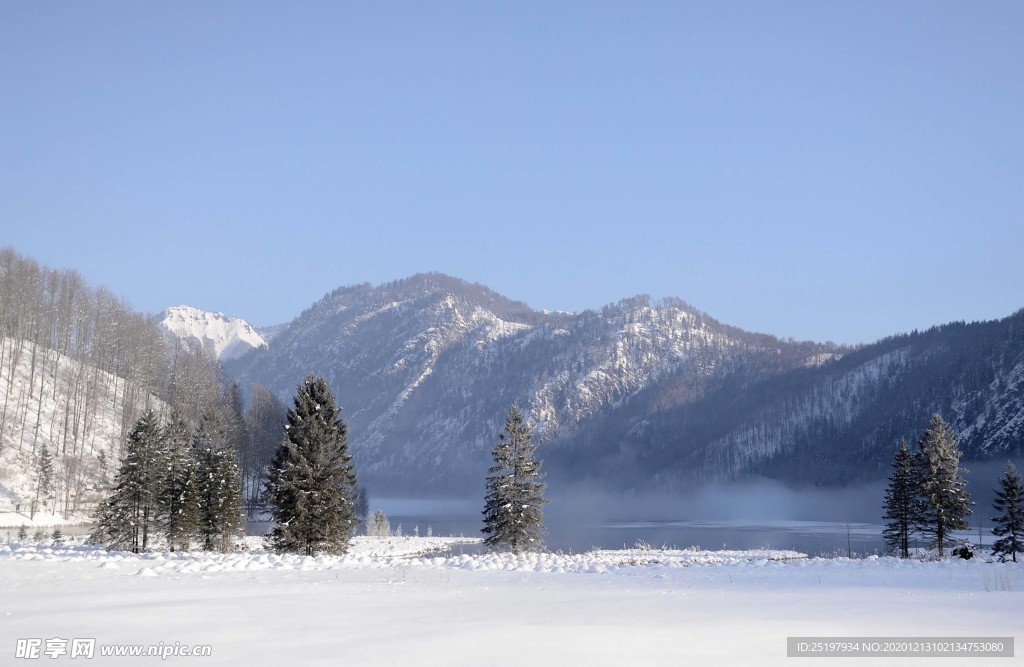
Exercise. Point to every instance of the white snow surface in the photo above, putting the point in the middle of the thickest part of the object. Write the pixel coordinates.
(222, 336)
(388, 603)
(409, 552)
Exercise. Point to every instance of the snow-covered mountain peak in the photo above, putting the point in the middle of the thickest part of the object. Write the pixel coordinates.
(653, 389)
(222, 336)
(427, 365)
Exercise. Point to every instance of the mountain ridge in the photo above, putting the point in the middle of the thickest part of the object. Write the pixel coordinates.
(426, 365)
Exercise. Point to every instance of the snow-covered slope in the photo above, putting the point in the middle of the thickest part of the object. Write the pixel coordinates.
(221, 336)
(77, 413)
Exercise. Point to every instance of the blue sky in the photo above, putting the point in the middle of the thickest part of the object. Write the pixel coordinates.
(826, 170)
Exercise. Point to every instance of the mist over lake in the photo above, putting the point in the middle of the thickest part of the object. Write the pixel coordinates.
(755, 514)
(743, 515)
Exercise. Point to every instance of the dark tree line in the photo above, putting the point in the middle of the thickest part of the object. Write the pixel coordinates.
(183, 486)
(179, 485)
(927, 494)
(927, 498)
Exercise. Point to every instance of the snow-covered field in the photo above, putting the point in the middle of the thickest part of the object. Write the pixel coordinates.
(397, 601)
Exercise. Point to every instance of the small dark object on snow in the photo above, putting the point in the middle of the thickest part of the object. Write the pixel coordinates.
(965, 551)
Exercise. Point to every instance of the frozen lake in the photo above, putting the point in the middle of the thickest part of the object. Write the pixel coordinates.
(749, 516)
(811, 537)
(568, 533)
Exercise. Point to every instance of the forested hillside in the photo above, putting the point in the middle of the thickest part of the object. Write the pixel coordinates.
(827, 424)
(77, 367)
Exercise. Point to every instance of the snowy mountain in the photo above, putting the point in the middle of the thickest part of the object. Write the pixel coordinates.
(642, 392)
(268, 333)
(426, 367)
(219, 335)
(832, 423)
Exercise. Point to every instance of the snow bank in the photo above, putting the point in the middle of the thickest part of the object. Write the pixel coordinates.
(386, 547)
(435, 553)
(609, 561)
(409, 552)
(364, 552)
(43, 519)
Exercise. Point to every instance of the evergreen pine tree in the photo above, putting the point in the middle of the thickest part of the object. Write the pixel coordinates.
(218, 487)
(1009, 525)
(180, 499)
(362, 505)
(513, 510)
(132, 512)
(236, 430)
(311, 485)
(102, 465)
(44, 482)
(945, 503)
(902, 506)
